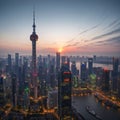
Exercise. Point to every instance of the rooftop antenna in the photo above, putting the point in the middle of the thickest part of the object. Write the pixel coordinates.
(34, 19)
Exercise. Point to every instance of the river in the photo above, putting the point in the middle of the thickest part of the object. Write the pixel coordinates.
(108, 66)
(80, 103)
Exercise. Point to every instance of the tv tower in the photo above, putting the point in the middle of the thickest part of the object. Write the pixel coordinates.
(34, 38)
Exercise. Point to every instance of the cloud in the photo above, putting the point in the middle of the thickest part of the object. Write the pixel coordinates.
(47, 50)
(108, 41)
(70, 40)
(89, 29)
(74, 44)
(85, 31)
(112, 23)
(117, 25)
(114, 39)
(106, 34)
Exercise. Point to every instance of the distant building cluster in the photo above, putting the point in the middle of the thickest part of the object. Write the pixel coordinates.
(57, 75)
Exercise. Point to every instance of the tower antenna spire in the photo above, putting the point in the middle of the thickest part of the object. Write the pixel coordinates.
(34, 19)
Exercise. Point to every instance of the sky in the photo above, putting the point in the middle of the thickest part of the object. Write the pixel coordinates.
(77, 27)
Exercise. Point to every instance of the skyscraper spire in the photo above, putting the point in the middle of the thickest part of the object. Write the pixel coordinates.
(34, 20)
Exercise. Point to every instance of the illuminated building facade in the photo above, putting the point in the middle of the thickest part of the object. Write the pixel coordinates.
(75, 74)
(64, 94)
(34, 38)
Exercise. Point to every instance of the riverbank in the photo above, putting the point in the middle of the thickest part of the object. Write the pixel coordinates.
(80, 103)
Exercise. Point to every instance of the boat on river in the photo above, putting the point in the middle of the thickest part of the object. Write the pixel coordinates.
(92, 112)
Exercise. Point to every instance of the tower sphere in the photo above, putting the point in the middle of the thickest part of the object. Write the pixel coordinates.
(34, 37)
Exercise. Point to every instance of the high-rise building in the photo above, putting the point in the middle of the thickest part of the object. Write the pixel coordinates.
(34, 38)
(105, 80)
(52, 99)
(57, 61)
(68, 62)
(75, 74)
(119, 85)
(9, 63)
(98, 71)
(52, 73)
(64, 94)
(73, 68)
(63, 60)
(115, 74)
(90, 66)
(17, 64)
(2, 91)
(83, 72)
(14, 90)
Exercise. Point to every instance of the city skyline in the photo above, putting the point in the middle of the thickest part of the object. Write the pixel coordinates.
(77, 28)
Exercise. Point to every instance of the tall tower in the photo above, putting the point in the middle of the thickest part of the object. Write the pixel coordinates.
(34, 38)
(64, 94)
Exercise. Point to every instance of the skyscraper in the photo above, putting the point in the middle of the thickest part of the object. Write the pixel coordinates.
(90, 65)
(115, 74)
(14, 90)
(52, 73)
(73, 68)
(64, 94)
(9, 63)
(83, 72)
(16, 63)
(75, 73)
(63, 60)
(105, 80)
(34, 38)
(57, 63)
(68, 62)
(2, 91)
(58, 60)
(119, 85)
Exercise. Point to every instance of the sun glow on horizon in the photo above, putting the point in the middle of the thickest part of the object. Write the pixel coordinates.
(60, 50)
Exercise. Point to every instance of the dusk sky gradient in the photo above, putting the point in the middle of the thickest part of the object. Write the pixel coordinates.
(79, 27)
